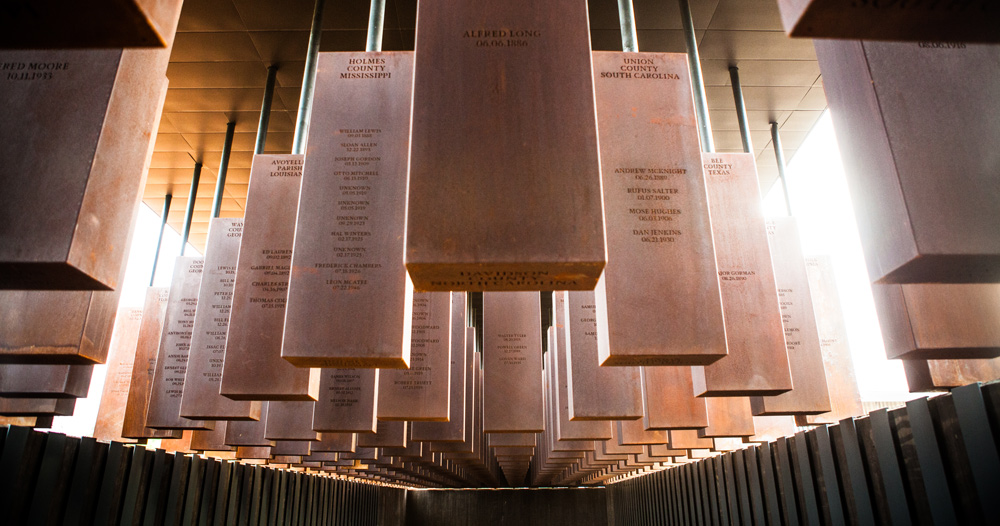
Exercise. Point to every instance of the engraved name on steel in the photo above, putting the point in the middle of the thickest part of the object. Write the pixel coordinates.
(257, 320)
(757, 363)
(512, 363)
(348, 401)
(504, 182)
(595, 392)
(659, 300)
(201, 398)
(167, 385)
(153, 311)
(349, 299)
(420, 393)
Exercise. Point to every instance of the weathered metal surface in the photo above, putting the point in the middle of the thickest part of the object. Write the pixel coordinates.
(484, 91)
(58, 24)
(941, 375)
(757, 363)
(769, 428)
(845, 398)
(462, 348)
(659, 299)
(939, 321)
(151, 328)
(211, 439)
(420, 393)
(930, 23)
(728, 416)
(167, 384)
(341, 442)
(201, 398)
(922, 187)
(289, 421)
(249, 433)
(118, 378)
(668, 399)
(348, 401)
(346, 268)
(594, 392)
(257, 320)
(688, 439)
(387, 434)
(45, 381)
(805, 357)
(512, 363)
(37, 406)
(633, 432)
(558, 369)
(90, 148)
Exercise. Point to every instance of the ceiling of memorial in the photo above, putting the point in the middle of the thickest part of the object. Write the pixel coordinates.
(219, 62)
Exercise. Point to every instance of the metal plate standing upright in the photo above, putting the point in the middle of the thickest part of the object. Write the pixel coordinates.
(659, 300)
(939, 321)
(167, 386)
(757, 362)
(257, 319)
(87, 148)
(347, 402)
(154, 310)
(845, 399)
(810, 394)
(201, 398)
(420, 393)
(512, 363)
(462, 349)
(594, 392)
(349, 298)
(565, 428)
(910, 125)
(492, 79)
(118, 378)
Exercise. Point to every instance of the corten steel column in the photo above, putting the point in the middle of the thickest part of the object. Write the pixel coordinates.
(159, 240)
(697, 80)
(265, 109)
(630, 41)
(192, 195)
(741, 109)
(779, 155)
(375, 19)
(220, 183)
(308, 81)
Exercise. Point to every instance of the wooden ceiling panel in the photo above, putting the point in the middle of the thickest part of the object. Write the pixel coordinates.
(195, 122)
(216, 74)
(772, 97)
(213, 142)
(170, 142)
(212, 99)
(216, 46)
(248, 121)
(754, 45)
(801, 120)
(761, 72)
(660, 14)
(815, 99)
(171, 160)
(210, 15)
(745, 15)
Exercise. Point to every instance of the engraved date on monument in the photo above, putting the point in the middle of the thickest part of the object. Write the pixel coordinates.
(32, 70)
(501, 38)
